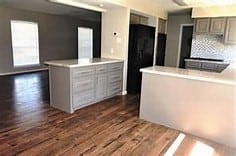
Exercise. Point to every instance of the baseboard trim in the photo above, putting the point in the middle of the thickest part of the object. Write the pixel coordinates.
(22, 72)
(124, 92)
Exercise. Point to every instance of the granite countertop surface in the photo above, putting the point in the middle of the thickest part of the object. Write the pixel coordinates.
(228, 76)
(81, 62)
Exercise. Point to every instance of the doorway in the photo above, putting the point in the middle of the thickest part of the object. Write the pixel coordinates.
(186, 36)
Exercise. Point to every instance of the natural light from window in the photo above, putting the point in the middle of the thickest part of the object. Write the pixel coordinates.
(199, 148)
(25, 43)
(202, 150)
(175, 145)
(85, 43)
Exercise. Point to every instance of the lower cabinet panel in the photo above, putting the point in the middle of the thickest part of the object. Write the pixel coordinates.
(101, 87)
(76, 87)
(81, 99)
(96, 86)
(115, 88)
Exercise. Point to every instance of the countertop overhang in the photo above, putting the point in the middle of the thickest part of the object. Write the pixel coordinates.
(228, 76)
(81, 62)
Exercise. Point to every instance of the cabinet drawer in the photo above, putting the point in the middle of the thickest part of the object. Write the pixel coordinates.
(115, 66)
(101, 69)
(193, 65)
(115, 77)
(83, 71)
(85, 98)
(221, 67)
(210, 67)
(115, 88)
(83, 84)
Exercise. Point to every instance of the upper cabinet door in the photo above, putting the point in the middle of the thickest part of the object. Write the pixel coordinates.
(217, 26)
(202, 25)
(230, 34)
(161, 26)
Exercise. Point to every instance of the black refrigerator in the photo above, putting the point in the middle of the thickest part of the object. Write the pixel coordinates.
(141, 51)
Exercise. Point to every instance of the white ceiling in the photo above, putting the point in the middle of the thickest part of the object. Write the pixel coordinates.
(170, 6)
(45, 6)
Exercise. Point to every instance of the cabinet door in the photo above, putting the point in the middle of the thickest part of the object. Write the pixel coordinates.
(230, 34)
(211, 67)
(217, 26)
(162, 26)
(101, 86)
(202, 25)
(114, 83)
(83, 91)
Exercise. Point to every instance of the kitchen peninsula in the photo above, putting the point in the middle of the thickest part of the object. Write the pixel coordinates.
(196, 102)
(81, 82)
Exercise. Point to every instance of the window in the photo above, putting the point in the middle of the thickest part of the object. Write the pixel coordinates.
(85, 42)
(25, 44)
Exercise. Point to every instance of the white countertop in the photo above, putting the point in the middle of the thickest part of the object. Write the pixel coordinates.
(228, 76)
(81, 62)
(206, 61)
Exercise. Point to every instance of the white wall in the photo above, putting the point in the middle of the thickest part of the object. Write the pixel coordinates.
(149, 7)
(205, 109)
(116, 20)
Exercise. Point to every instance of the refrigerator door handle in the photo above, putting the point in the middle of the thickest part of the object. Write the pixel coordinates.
(141, 54)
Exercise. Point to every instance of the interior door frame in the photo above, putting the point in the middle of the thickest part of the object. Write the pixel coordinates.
(180, 42)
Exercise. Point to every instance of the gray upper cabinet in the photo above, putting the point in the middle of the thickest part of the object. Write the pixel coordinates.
(230, 34)
(138, 19)
(210, 25)
(162, 26)
(202, 25)
(217, 25)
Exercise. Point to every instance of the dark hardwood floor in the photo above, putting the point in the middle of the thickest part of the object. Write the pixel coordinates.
(29, 126)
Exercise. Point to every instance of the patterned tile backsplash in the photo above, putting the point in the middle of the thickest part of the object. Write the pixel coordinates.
(212, 46)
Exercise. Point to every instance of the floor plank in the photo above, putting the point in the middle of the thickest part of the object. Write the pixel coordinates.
(29, 126)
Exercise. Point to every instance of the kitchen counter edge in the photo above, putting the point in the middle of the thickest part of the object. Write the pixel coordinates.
(68, 64)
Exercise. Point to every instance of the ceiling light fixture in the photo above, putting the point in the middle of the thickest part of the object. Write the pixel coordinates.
(79, 5)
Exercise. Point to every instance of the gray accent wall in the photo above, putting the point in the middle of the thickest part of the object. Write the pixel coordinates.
(173, 32)
(58, 37)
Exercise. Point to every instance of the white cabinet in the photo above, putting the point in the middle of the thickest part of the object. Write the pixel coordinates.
(230, 34)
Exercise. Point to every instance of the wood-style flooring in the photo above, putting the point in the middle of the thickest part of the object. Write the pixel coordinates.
(29, 126)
